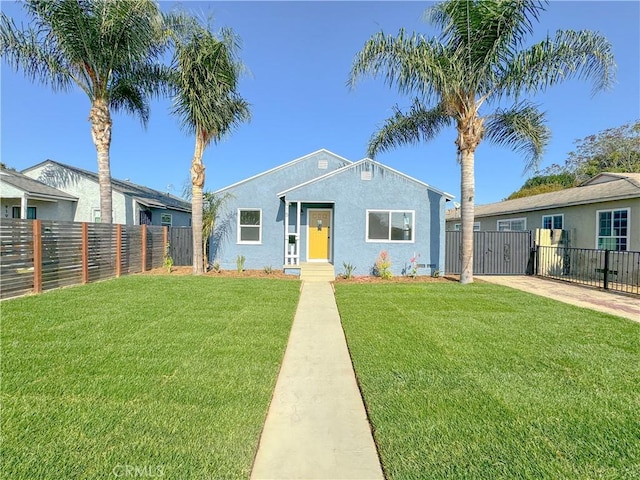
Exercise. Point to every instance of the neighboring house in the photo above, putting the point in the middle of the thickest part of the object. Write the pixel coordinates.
(603, 213)
(24, 197)
(326, 209)
(132, 204)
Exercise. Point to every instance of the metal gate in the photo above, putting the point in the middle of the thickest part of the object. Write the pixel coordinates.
(494, 253)
(181, 245)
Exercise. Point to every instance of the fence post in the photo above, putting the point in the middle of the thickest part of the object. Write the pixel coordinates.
(165, 238)
(85, 252)
(118, 249)
(37, 256)
(144, 247)
(606, 269)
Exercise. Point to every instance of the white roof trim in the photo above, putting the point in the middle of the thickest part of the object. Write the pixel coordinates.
(365, 160)
(284, 165)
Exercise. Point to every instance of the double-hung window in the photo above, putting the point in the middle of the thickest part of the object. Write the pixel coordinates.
(553, 221)
(249, 225)
(613, 229)
(390, 225)
(512, 225)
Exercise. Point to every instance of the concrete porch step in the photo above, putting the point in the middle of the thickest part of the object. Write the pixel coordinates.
(317, 272)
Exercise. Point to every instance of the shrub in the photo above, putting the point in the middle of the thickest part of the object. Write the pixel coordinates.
(382, 266)
(240, 263)
(167, 260)
(268, 270)
(348, 270)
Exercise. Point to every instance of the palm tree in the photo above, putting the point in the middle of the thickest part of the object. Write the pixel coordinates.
(205, 81)
(106, 48)
(478, 60)
(212, 204)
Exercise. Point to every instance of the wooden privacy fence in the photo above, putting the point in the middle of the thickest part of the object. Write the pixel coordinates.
(39, 255)
(181, 245)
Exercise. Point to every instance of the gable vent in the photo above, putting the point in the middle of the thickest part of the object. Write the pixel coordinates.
(365, 175)
(323, 164)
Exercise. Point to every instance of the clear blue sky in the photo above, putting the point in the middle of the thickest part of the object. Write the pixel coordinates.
(300, 54)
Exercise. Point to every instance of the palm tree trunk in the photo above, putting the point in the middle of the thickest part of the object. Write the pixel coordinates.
(467, 192)
(197, 186)
(100, 119)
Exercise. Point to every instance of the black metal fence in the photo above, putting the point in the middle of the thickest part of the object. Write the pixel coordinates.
(611, 270)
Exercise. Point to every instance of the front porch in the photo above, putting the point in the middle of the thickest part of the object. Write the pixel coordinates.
(307, 233)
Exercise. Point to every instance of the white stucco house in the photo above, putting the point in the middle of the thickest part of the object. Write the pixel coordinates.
(132, 204)
(26, 198)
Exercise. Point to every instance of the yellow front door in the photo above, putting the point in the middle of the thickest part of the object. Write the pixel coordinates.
(319, 234)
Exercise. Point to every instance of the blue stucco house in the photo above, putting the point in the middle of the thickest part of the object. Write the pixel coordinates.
(322, 208)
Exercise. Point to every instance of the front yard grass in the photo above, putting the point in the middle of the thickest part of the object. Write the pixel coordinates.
(482, 381)
(141, 376)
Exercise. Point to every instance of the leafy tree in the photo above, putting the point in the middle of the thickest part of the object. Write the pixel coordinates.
(612, 150)
(544, 184)
(478, 60)
(205, 80)
(108, 49)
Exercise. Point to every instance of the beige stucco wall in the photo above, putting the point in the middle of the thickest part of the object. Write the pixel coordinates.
(580, 220)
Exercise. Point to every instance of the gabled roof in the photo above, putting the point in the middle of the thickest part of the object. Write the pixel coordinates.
(144, 195)
(33, 188)
(604, 187)
(356, 165)
(283, 166)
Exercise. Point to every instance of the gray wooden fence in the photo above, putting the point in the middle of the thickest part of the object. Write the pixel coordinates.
(181, 245)
(494, 253)
(39, 255)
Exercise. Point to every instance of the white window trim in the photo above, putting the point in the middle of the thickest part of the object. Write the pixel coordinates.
(165, 224)
(238, 227)
(627, 236)
(458, 226)
(553, 215)
(379, 210)
(511, 220)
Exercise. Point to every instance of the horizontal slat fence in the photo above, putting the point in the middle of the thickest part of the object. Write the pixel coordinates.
(61, 254)
(16, 258)
(37, 255)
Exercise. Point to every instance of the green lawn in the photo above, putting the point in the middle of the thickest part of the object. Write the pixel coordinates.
(486, 382)
(164, 376)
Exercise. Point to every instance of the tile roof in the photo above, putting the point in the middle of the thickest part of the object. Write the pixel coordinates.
(601, 188)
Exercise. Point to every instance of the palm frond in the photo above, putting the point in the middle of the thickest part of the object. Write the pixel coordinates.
(570, 54)
(205, 78)
(522, 127)
(410, 63)
(419, 124)
(26, 50)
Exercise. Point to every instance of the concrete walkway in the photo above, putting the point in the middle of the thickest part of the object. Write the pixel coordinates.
(316, 427)
(622, 305)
